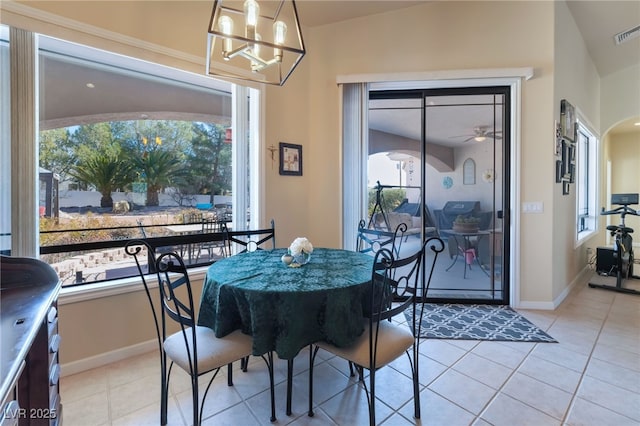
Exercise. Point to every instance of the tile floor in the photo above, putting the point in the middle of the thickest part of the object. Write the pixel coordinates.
(591, 377)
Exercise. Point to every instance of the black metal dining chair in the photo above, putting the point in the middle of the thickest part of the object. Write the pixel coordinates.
(193, 348)
(250, 239)
(371, 240)
(396, 286)
(246, 241)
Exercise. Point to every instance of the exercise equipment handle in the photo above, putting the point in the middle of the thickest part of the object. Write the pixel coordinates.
(623, 210)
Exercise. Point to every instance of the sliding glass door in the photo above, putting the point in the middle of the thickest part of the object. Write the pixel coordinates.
(436, 162)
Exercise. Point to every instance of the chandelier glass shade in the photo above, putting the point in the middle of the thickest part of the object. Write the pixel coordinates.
(254, 40)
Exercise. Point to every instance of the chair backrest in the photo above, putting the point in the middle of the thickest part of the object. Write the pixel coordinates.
(212, 225)
(396, 285)
(144, 254)
(192, 217)
(177, 301)
(373, 240)
(172, 275)
(251, 240)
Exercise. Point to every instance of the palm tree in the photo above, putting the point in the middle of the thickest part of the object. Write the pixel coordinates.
(106, 172)
(159, 169)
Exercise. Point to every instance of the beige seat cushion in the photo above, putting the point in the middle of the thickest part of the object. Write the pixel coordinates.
(396, 219)
(393, 341)
(213, 352)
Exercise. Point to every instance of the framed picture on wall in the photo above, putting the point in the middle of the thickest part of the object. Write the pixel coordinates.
(571, 169)
(290, 159)
(557, 140)
(567, 120)
(559, 171)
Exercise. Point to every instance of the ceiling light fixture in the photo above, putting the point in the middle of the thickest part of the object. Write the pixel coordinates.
(254, 41)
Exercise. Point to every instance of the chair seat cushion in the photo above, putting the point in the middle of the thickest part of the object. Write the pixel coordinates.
(393, 341)
(213, 352)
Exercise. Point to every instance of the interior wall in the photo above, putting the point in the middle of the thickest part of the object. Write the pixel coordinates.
(430, 37)
(577, 81)
(141, 29)
(620, 97)
(97, 327)
(624, 154)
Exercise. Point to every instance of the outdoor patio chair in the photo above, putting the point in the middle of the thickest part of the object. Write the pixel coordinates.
(216, 248)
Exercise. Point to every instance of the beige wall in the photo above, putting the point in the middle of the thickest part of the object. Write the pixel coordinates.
(93, 328)
(620, 97)
(430, 37)
(624, 154)
(577, 81)
(433, 36)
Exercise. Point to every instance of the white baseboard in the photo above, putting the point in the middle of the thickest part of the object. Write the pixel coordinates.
(543, 306)
(582, 279)
(108, 358)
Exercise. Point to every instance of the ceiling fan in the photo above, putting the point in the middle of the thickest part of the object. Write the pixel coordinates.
(480, 134)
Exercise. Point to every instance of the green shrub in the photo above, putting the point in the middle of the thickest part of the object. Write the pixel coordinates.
(391, 198)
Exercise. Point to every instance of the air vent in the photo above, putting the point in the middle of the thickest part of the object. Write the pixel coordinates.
(627, 35)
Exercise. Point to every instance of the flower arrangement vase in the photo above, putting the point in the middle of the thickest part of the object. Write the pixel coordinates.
(302, 258)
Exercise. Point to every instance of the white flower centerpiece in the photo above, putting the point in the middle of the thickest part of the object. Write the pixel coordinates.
(300, 249)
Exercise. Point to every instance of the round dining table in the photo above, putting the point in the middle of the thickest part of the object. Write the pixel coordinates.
(286, 308)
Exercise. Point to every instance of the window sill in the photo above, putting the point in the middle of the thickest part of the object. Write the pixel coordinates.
(584, 236)
(116, 287)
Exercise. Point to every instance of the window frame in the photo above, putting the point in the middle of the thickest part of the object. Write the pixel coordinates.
(254, 197)
(587, 151)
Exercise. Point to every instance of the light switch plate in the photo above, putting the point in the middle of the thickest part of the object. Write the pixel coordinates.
(533, 207)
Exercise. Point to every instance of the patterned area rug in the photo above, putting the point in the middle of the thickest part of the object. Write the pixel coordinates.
(478, 322)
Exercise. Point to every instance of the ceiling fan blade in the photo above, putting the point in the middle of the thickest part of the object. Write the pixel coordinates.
(461, 136)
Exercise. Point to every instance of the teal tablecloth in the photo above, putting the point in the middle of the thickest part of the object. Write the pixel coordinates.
(285, 308)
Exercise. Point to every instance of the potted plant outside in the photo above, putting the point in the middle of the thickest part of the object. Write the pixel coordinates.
(466, 224)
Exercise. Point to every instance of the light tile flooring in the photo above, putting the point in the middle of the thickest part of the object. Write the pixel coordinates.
(591, 377)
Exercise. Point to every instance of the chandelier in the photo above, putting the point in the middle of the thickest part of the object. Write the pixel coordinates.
(254, 41)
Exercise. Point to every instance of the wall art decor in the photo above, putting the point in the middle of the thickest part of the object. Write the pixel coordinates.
(290, 159)
(447, 182)
(469, 172)
(567, 120)
(557, 141)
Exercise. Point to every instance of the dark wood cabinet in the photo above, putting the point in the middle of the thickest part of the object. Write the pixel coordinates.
(29, 385)
(38, 385)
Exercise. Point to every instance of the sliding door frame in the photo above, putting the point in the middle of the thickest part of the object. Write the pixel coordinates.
(511, 78)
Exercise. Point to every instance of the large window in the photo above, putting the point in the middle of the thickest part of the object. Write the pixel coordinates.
(586, 182)
(129, 149)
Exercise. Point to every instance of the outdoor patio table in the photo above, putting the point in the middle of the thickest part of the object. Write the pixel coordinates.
(466, 249)
(286, 308)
